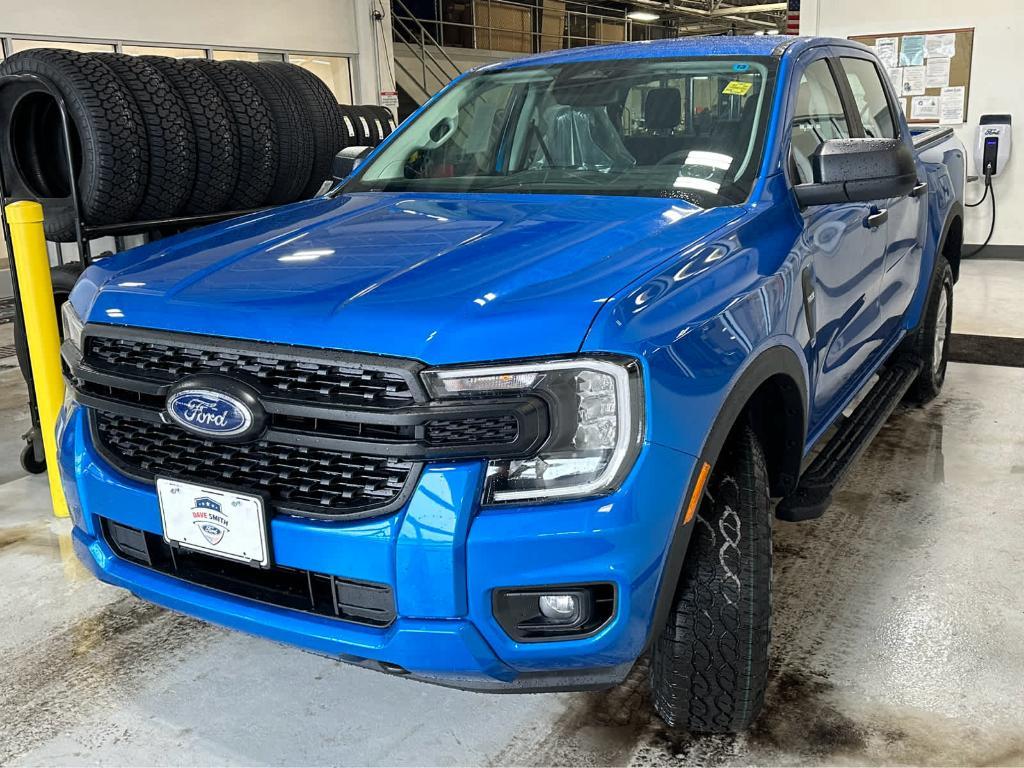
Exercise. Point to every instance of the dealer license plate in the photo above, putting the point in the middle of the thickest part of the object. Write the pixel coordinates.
(217, 522)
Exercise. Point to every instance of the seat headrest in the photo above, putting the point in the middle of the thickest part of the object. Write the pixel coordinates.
(662, 109)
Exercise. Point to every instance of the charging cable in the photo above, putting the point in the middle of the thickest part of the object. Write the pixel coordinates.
(989, 191)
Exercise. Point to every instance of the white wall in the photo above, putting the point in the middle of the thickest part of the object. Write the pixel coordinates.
(320, 26)
(995, 86)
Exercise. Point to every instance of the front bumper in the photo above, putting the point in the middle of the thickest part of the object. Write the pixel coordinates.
(442, 555)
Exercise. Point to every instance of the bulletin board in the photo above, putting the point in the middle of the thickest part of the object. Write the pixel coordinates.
(930, 70)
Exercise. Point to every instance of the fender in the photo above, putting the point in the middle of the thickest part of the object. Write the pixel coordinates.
(778, 359)
(956, 210)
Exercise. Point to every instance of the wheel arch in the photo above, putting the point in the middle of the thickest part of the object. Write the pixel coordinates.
(951, 241)
(775, 376)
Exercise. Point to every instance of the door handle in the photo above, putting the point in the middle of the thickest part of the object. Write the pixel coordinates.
(919, 189)
(876, 218)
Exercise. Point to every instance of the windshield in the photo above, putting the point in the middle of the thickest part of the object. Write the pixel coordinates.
(690, 129)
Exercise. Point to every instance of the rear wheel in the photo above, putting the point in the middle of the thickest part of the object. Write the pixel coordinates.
(931, 341)
(709, 666)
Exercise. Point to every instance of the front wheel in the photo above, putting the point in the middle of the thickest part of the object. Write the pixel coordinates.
(709, 666)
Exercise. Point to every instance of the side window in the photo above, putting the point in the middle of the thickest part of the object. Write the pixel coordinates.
(819, 117)
(869, 95)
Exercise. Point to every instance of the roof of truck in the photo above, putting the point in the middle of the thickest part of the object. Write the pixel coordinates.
(726, 45)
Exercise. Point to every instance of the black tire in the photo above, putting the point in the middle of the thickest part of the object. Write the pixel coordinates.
(357, 122)
(170, 141)
(254, 132)
(351, 131)
(374, 129)
(63, 278)
(294, 133)
(932, 351)
(319, 109)
(107, 132)
(709, 666)
(215, 143)
(387, 119)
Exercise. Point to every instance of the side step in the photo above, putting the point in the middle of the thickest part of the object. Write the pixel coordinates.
(813, 493)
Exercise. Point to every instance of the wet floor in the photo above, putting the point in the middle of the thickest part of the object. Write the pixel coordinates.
(898, 638)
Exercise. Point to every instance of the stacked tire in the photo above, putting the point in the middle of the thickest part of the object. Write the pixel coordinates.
(365, 126)
(155, 138)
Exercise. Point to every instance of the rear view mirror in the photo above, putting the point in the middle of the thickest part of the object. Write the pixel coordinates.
(346, 161)
(858, 170)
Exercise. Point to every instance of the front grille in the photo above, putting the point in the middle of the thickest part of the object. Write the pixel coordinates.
(337, 435)
(359, 602)
(273, 373)
(306, 481)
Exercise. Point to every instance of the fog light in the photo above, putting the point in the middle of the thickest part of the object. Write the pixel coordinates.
(562, 608)
(537, 614)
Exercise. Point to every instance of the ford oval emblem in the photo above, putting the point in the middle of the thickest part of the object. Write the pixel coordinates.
(209, 413)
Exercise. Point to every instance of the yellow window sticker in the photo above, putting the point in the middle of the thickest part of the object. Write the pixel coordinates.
(737, 88)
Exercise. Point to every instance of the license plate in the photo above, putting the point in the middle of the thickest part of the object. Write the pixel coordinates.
(213, 521)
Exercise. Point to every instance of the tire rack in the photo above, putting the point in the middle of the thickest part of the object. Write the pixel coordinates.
(84, 232)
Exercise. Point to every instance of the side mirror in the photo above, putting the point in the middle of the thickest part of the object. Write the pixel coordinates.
(858, 170)
(346, 161)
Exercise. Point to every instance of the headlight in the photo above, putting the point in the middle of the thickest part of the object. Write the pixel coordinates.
(73, 325)
(595, 415)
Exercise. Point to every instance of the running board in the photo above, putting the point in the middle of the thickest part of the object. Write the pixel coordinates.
(813, 493)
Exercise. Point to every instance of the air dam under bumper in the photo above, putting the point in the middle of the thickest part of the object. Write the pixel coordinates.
(441, 554)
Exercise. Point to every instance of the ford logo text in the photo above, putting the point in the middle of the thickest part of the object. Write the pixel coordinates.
(210, 413)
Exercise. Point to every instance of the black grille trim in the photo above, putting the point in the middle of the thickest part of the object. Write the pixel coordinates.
(308, 482)
(297, 374)
(359, 602)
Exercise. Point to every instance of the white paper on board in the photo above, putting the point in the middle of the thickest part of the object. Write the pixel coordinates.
(887, 50)
(940, 46)
(951, 105)
(912, 51)
(913, 81)
(936, 73)
(896, 78)
(924, 108)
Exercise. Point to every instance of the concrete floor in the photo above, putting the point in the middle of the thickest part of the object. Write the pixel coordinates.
(899, 638)
(988, 298)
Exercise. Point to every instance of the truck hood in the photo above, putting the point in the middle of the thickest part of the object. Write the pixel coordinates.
(440, 278)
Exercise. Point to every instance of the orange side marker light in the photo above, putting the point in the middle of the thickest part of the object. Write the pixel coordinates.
(698, 491)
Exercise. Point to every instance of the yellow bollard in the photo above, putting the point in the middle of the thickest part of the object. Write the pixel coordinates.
(25, 220)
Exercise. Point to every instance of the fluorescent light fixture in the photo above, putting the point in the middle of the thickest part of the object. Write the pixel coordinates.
(642, 16)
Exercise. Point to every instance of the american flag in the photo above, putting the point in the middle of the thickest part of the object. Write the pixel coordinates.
(793, 18)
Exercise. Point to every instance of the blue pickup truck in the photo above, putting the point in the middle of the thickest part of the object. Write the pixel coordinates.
(516, 402)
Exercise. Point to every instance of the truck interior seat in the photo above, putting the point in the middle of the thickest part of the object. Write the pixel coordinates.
(583, 137)
(662, 115)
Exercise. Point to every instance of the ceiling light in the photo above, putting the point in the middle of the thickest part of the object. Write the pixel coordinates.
(642, 16)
